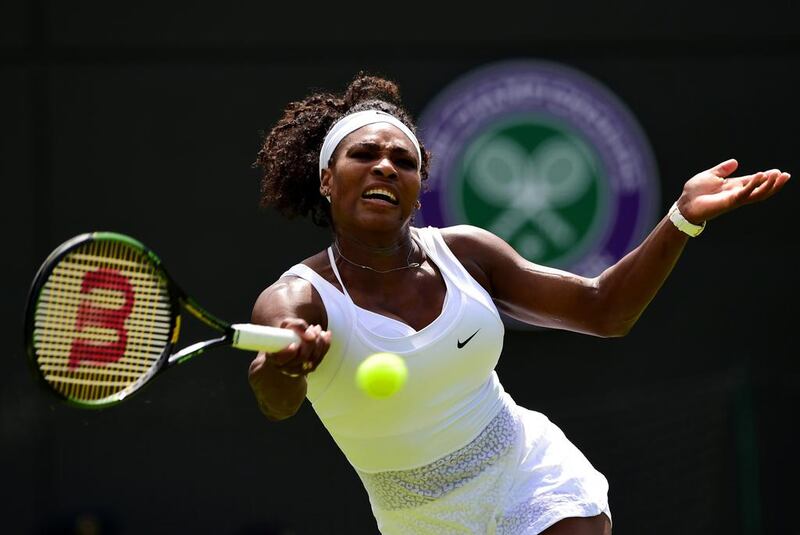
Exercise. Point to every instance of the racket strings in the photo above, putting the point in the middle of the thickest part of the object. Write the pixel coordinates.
(95, 379)
(102, 321)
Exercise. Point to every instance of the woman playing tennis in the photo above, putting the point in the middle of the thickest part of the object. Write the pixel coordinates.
(451, 452)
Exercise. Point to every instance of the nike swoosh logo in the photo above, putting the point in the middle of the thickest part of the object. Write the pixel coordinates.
(465, 342)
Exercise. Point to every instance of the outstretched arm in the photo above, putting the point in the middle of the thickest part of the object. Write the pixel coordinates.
(629, 285)
(609, 304)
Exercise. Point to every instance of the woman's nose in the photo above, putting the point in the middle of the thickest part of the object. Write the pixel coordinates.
(385, 168)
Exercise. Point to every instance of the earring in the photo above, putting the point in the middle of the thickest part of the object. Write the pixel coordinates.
(417, 205)
(326, 193)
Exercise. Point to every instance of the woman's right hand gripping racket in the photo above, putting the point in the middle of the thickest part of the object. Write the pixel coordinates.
(103, 318)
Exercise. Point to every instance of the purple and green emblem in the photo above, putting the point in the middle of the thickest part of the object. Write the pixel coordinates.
(544, 157)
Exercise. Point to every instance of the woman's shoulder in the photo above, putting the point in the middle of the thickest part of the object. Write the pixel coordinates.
(298, 275)
(472, 247)
(292, 279)
(321, 265)
(294, 293)
(318, 262)
(466, 239)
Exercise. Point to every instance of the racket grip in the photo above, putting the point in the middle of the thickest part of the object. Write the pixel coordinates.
(253, 337)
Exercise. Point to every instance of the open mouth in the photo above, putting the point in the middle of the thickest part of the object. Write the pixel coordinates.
(381, 194)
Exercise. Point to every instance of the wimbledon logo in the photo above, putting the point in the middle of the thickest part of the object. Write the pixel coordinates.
(544, 157)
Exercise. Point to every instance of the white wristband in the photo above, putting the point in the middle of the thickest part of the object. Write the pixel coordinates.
(682, 224)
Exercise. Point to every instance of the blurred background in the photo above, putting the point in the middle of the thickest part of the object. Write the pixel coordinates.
(144, 118)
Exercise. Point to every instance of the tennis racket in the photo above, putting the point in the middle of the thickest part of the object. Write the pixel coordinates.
(103, 317)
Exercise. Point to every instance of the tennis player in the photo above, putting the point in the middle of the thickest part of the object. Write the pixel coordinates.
(451, 452)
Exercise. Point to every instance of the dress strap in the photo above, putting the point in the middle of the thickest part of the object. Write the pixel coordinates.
(332, 260)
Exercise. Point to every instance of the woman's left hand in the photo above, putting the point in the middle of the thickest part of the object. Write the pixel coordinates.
(713, 192)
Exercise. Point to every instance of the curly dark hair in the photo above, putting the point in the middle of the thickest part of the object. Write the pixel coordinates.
(289, 156)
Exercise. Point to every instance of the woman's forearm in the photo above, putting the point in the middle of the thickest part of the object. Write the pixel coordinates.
(279, 396)
(626, 288)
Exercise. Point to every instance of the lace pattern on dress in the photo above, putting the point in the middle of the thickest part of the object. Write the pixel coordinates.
(400, 489)
(537, 514)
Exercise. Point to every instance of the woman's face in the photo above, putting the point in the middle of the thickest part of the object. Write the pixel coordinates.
(373, 181)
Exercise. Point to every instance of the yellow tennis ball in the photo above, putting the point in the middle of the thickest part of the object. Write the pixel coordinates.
(381, 375)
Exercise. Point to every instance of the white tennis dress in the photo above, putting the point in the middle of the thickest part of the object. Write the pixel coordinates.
(451, 452)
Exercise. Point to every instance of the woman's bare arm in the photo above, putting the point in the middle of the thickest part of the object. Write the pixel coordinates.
(278, 379)
(611, 303)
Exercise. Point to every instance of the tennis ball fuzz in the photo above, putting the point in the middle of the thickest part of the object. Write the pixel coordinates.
(381, 375)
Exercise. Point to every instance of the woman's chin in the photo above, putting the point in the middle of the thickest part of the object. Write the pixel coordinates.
(382, 220)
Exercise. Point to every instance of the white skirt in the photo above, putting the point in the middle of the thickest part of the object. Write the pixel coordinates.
(518, 477)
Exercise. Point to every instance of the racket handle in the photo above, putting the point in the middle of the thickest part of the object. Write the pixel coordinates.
(253, 337)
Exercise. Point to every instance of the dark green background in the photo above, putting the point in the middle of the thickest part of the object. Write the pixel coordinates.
(144, 118)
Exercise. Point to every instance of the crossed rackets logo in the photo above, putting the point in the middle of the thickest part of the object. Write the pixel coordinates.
(545, 157)
(526, 184)
(530, 188)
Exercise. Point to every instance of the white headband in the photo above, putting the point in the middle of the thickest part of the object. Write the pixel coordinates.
(350, 123)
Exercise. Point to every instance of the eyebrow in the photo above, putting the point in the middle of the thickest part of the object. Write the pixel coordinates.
(375, 146)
